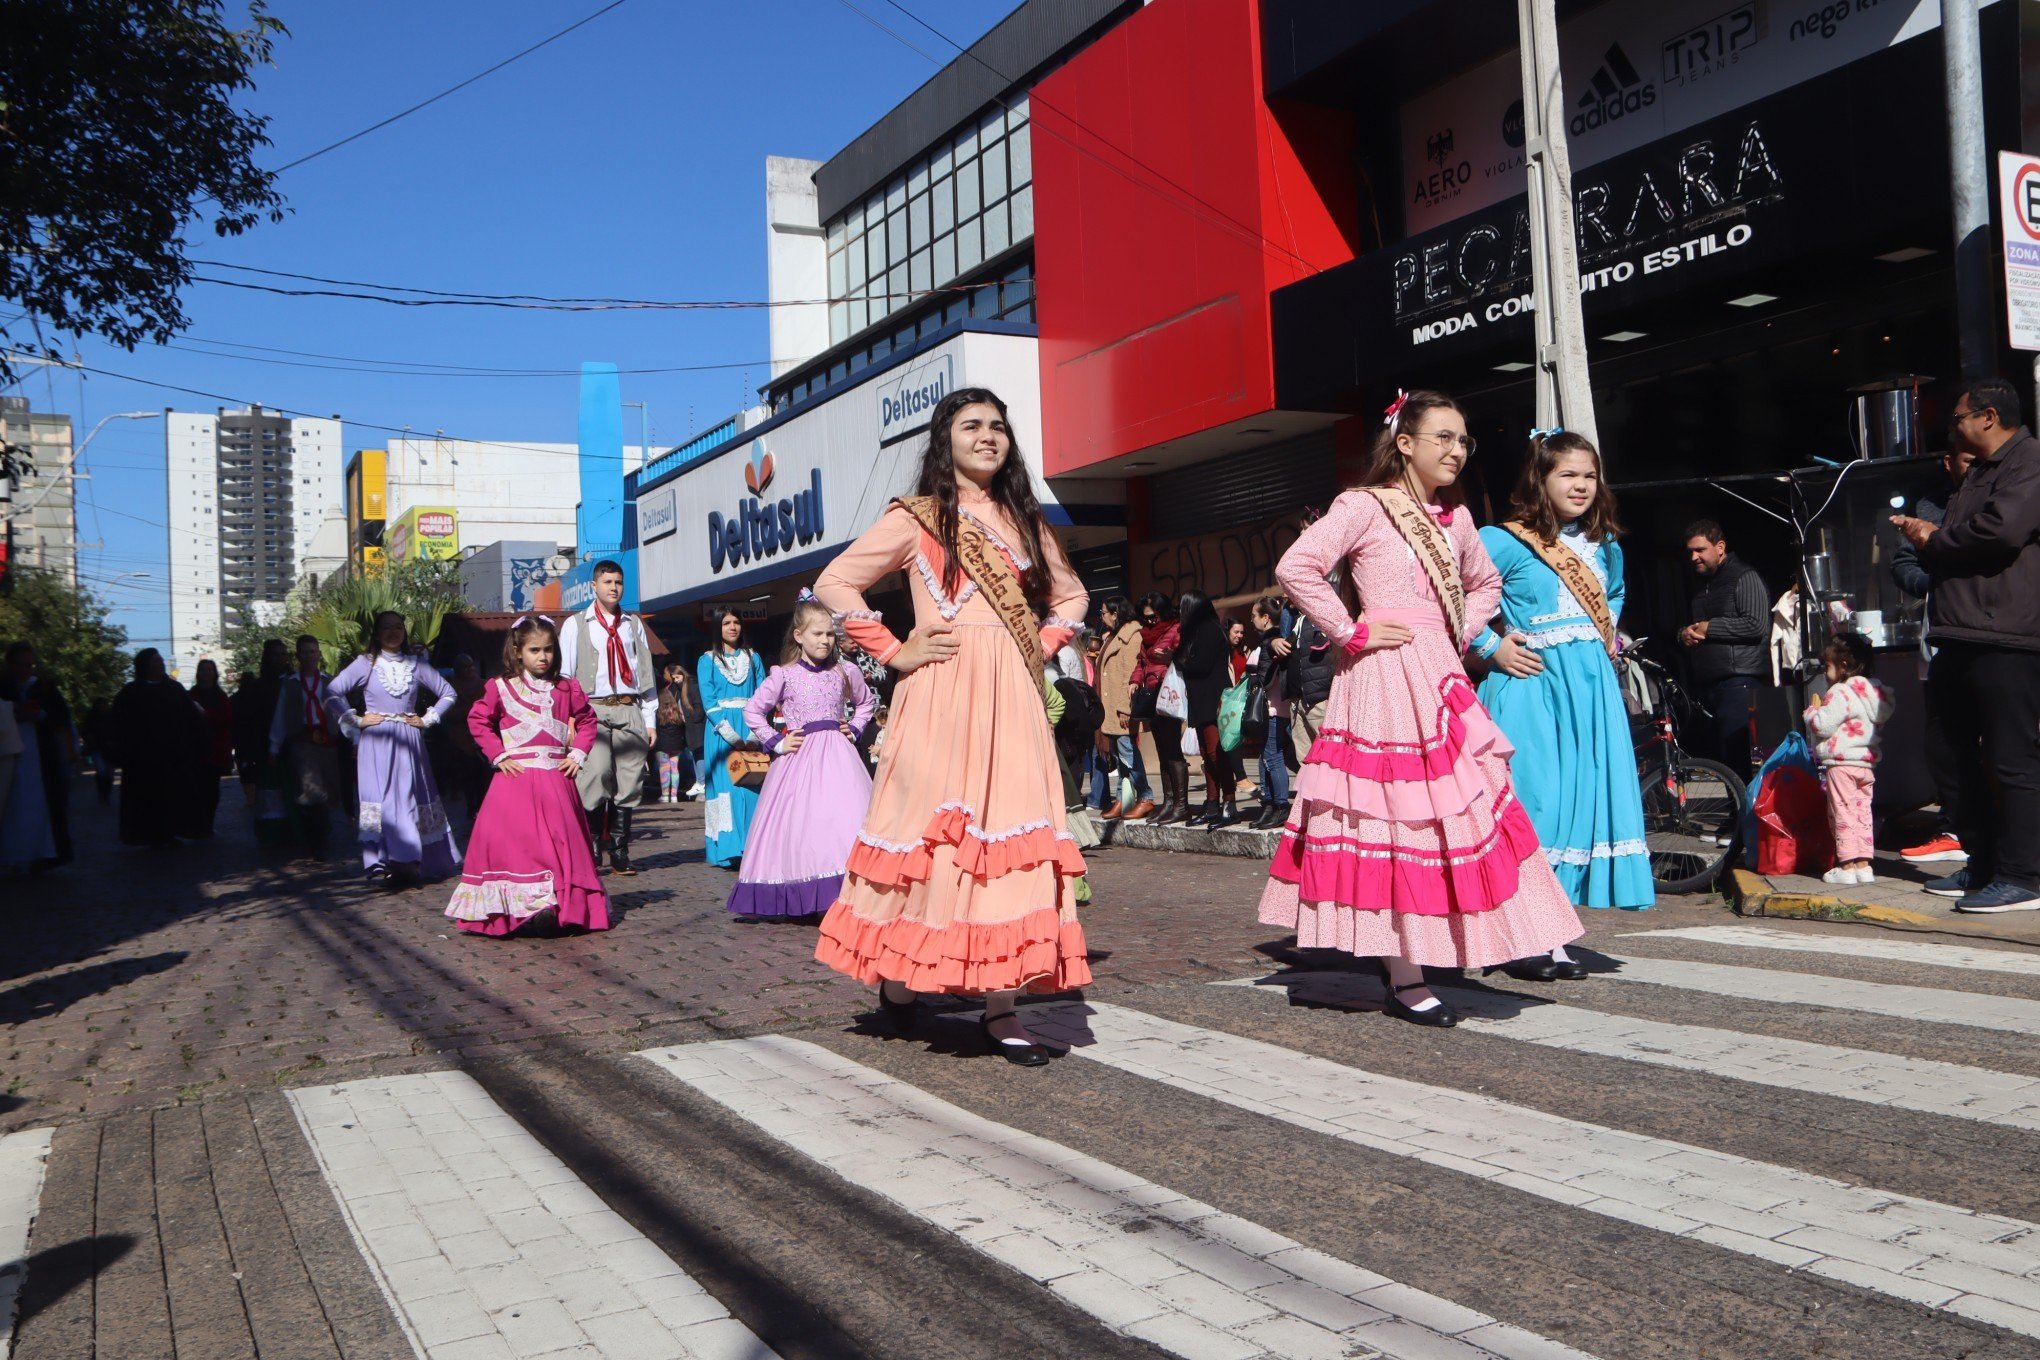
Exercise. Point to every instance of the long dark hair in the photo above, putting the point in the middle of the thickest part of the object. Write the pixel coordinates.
(1531, 508)
(1193, 611)
(716, 643)
(1011, 489)
(1385, 461)
(1164, 607)
(374, 647)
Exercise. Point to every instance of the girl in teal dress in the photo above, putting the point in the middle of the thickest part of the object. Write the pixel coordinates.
(729, 674)
(1552, 688)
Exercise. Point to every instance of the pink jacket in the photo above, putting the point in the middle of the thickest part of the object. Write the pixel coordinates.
(1846, 726)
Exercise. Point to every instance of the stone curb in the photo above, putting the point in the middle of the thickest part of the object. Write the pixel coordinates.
(1751, 894)
(1234, 842)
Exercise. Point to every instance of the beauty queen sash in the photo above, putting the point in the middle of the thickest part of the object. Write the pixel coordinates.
(1433, 547)
(992, 572)
(1579, 578)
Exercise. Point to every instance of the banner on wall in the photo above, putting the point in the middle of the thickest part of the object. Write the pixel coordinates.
(1635, 71)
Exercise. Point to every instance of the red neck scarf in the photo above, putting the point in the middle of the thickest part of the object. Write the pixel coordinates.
(620, 672)
(315, 712)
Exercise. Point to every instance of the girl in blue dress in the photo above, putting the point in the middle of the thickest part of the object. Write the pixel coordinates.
(1552, 688)
(729, 674)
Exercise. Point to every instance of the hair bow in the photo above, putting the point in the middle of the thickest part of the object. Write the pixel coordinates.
(519, 620)
(1394, 408)
(805, 595)
(1546, 434)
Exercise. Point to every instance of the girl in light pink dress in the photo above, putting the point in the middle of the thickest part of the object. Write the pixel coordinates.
(1405, 842)
(530, 852)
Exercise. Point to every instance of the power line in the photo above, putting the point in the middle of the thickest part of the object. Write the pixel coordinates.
(431, 373)
(451, 89)
(457, 370)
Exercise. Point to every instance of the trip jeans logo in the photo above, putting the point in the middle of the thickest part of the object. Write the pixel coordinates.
(1716, 45)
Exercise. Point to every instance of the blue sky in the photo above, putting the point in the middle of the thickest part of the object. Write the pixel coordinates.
(626, 159)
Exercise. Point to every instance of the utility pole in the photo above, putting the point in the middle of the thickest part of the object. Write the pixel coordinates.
(1969, 182)
(1564, 396)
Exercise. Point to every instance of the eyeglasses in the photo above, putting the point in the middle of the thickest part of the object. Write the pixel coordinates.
(1957, 417)
(1447, 439)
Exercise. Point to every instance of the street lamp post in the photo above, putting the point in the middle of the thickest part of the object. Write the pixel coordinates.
(1564, 395)
(66, 479)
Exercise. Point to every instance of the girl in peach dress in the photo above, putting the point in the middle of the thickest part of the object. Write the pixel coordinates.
(963, 879)
(1406, 842)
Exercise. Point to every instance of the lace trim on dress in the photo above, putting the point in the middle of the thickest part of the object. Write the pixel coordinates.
(971, 829)
(1582, 631)
(1019, 559)
(397, 673)
(1057, 621)
(741, 673)
(1600, 850)
(868, 615)
(947, 607)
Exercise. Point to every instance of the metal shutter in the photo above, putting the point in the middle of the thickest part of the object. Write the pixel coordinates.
(1243, 488)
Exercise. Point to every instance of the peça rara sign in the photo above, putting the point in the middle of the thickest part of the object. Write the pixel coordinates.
(763, 527)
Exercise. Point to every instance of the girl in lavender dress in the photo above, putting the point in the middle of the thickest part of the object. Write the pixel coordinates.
(815, 795)
(403, 827)
(530, 852)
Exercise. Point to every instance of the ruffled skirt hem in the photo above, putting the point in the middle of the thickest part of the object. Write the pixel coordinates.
(1042, 951)
(811, 897)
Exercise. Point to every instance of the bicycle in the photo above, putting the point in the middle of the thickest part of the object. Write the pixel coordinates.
(1692, 807)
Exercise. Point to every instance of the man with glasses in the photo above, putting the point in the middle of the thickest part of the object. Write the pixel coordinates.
(1983, 686)
(1910, 575)
(1731, 613)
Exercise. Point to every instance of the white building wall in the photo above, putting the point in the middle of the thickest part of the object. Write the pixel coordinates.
(316, 486)
(191, 449)
(503, 491)
(796, 262)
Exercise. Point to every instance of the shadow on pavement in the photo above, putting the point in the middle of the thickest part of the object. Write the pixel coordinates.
(55, 1271)
(47, 996)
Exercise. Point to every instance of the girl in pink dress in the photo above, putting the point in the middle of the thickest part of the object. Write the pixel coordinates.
(816, 792)
(1406, 842)
(530, 852)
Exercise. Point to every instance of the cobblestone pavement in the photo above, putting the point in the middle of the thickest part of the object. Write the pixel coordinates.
(253, 1109)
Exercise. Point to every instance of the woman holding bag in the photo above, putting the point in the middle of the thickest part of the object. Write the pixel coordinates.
(1159, 638)
(729, 674)
(1205, 661)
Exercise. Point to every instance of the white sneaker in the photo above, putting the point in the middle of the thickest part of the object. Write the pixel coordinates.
(694, 792)
(1840, 876)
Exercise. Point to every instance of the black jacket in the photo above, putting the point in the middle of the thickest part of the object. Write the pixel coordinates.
(1985, 557)
(1312, 663)
(1907, 571)
(1205, 662)
(1737, 610)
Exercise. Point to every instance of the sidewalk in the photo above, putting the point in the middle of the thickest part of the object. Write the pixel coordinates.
(1895, 901)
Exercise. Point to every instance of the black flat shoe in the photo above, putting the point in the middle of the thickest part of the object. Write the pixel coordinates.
(1440, 1016)
(899, 1014)
(1228, 815)
(1437, 1018)
(1571, 970)
(1029, 1054)
(1538, 968)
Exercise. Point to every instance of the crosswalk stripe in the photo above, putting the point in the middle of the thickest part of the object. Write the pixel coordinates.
(1974, 1265)
(1140, 1258)
(474, 1230)
(1853, 946)
(23, 1156)
(1921, 1084)
(1935, 1005)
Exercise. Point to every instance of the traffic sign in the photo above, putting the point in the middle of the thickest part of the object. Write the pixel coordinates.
(2019, 211)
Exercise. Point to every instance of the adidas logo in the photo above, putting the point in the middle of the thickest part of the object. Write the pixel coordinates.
(1616, 90)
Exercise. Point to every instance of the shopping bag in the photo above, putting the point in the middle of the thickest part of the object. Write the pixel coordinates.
(1793, 752)
(1173, 699)
(1232, 712)
(1792, 835)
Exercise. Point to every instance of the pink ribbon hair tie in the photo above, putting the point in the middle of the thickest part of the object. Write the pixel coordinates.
(1394, 408)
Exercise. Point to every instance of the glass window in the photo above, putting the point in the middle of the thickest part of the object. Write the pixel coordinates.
(942, 162)
(896, 235)
(1022, 153)
(860, 315)
(874, 254)
(1023, 213)
(998, 231)
(945, 259)
(917, 179)
(1017, 113)
(967, 200)
(917, 271)
(896, 195)
(896, 284)
(984, 302)
(917, 220)
(970, 246)
(943, 198)
(836, 233)
(839, 370)
(930, 323)
(994, 162)
(966, 144)
(837, 281)
(839, 323)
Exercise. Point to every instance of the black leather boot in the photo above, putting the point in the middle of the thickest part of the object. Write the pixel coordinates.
(619, 854)
(601, 820)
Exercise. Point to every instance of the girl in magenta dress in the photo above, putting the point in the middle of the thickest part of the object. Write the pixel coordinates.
(815, 795)
(1406, 842)
(530, 851)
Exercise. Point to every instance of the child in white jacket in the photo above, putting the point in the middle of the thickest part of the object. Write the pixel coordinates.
(1846, 727)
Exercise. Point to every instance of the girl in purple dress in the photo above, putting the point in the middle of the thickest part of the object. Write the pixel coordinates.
(815, 795)
(403, 828)
(530, 851)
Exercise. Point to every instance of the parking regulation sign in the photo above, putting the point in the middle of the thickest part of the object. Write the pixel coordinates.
(2019, 211)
